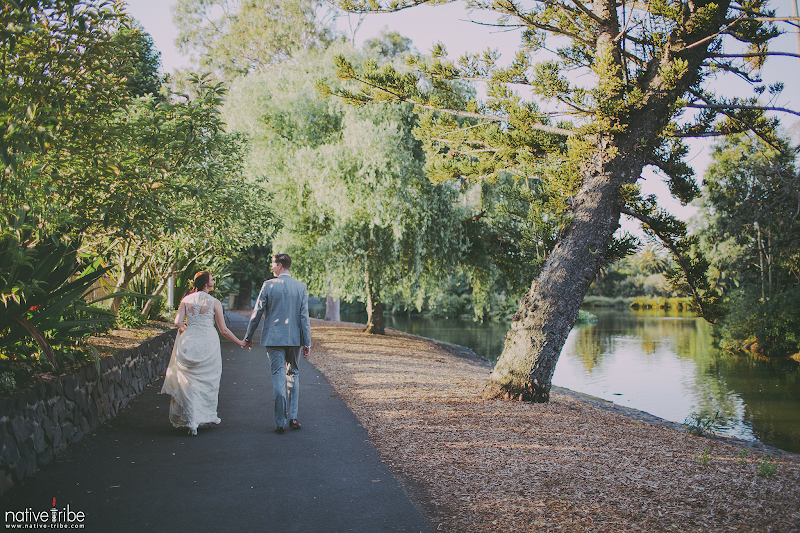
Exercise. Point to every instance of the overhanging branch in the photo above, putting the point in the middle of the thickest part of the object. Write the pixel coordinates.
(721, 107)
(670, 243)
(467, 114)
(755, 54)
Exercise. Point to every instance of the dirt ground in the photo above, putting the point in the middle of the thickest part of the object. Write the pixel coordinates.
(569, 465)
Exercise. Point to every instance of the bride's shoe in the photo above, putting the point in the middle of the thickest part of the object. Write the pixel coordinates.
(193, 431)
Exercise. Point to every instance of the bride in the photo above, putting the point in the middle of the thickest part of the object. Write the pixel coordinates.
(195, 367)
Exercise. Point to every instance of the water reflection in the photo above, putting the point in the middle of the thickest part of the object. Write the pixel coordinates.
(661, 363)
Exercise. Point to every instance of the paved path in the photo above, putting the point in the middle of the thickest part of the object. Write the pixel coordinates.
(137, 473)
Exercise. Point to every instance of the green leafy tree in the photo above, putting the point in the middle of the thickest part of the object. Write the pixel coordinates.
(648, 65)
(388, 45)
(51, 53)
(142, 61)
(145, 178)
(180, 190)
(391, 228)
(248, 265)
(232, 37)
(360, 217)
(749, 213)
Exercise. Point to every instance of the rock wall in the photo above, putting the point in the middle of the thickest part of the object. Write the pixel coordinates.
(39, 423)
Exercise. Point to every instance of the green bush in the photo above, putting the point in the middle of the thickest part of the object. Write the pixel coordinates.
(643, 302)
(503, 306)
(159, 309)
(130, 315)
(770, 328)
(449, 306)
(767, 468)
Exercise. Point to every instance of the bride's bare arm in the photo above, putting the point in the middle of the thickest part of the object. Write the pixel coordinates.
(220, 319)
(180, 316)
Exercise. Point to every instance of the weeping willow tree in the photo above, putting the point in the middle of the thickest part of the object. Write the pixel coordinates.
(359, 217)
(649, 68)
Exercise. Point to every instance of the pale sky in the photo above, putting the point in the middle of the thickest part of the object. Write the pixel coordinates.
(450, 24)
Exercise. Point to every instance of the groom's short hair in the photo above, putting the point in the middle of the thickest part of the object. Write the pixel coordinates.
(284, 260)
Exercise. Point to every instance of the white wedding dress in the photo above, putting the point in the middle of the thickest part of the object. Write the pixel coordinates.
(195, 367)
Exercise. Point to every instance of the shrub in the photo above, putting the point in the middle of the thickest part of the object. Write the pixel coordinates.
(129, 315)
(605, 301)
(449, 306)
(42, 309)
(770, 328)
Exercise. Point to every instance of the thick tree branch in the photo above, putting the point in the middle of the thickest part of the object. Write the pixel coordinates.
(586, 11)
(532, 23)
(494, 118)
(772, 19)
(365, 7)
(721, 107)
(713, 36)
(755, 54)
(652, 225)
(715, 133)
(469, 114)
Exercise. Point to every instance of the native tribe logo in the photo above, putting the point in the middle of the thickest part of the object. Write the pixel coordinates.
(54, 519)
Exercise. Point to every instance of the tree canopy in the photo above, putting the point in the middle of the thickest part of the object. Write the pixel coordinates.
(233, 38)
(629, 82)
(96, 152)
(750, 232)
(358, 213)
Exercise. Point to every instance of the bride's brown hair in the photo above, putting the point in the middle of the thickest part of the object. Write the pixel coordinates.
(201, 280)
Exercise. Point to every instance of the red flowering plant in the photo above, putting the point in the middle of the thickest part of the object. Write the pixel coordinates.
(43, 281)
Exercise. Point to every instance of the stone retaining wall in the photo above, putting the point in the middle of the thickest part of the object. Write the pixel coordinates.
(39, 423)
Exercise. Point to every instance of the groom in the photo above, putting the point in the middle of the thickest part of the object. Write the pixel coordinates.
(283, 301)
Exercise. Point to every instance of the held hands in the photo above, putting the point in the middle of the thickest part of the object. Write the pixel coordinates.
(248, 344)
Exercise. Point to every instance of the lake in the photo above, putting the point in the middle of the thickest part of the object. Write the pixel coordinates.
(660, 362)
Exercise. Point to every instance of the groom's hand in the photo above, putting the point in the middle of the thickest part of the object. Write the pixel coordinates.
(306, 351)
(248, 343)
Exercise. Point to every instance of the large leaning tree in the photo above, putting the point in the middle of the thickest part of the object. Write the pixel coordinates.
(645, 88)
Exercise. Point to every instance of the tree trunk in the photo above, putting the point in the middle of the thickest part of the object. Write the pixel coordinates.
(332, 308)
(374, 318)
(128, 271)
(123, 282)
(167, 278)
(374, 305)
(548, 312)
(770, 264)
(245, 293)
(761, 264)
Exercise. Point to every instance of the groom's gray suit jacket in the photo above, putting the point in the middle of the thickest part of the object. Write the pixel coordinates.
(284, 303)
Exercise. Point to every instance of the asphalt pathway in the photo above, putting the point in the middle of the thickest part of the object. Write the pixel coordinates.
(137, 473)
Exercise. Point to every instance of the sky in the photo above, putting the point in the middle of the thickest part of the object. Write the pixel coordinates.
(453, 25)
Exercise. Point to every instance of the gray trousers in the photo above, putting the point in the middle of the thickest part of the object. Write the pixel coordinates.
(285, 381)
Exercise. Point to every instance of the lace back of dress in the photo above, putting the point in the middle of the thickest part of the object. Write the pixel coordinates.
(199, 308)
